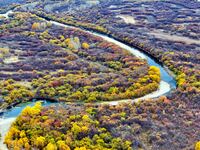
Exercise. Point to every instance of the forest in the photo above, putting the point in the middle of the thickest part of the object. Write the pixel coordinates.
(81, 71)
(46, 61)
(164, 123)
(181, 56)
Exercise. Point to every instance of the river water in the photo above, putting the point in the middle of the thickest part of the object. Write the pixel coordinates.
(166, 85)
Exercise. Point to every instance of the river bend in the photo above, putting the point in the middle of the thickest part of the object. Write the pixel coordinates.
(167, 83)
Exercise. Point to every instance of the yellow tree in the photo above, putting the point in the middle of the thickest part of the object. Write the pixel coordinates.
(85, 45)
(197, 146)
(51, 146)
(80, 148)
(35, 26)
(40, 142)
(62, 145)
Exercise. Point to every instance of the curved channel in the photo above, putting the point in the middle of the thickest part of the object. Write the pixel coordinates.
(167, 83)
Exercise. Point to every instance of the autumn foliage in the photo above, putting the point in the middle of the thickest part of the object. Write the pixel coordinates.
(42, 128)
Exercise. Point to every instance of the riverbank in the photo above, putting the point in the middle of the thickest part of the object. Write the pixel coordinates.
(165, 76)
(167, 122)
(132, 47)
(5, 124)
(6, 14)
(164, 87)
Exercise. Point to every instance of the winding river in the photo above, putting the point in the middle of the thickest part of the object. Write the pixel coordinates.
(167, 83)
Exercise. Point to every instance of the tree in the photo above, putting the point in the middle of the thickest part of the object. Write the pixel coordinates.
(113, 90)
(197, 146)
(35, 25)
(40, 142)
(62, 38)
(51, 146)
(181, 78)
(32, 110)
(154, 73)
(115, 65)
(67, 41)
(86, 118)
(155, 78)
(62, 145)
(154, 70)
(76, 129)
(78, 95)
(80, 148)
(4, 52)
(85, 45)
(92, 97)
(27, 146)
(22, 134)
